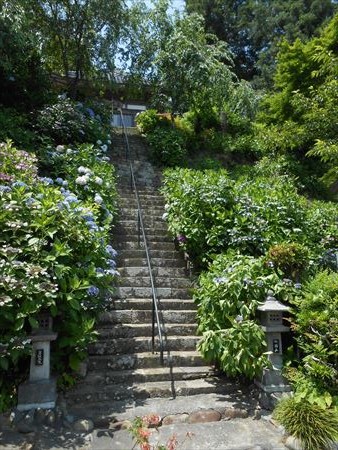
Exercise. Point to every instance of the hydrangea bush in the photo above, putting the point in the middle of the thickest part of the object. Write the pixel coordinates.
(251, 235)
(66, 122)
(54, 256)
(227, 297)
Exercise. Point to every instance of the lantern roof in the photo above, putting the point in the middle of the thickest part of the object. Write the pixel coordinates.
(272, 304)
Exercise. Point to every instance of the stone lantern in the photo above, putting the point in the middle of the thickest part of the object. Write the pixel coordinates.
(40, 390)
(271, 317)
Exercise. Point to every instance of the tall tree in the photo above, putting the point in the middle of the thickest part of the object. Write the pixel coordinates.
(23, 81)
(253, 28)
(76, 36)
(191, 73)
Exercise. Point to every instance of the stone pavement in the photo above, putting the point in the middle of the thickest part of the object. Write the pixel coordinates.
(201, 422)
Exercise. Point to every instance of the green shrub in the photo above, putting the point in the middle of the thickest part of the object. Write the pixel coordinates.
(24, 83)
(198, 209)
(316, 327)
(290, 258)
(54, 257)
(249, 215)
(167, 147)
(67, 122)
(317, 428)
(148, 121)
(227, 298)
(16, 127)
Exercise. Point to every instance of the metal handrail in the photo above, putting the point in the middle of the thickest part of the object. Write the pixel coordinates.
(155, 314)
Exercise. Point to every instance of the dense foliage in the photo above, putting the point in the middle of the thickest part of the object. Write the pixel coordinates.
(76, 38)
(55, 252)
(299, 118)
(23, 81)
(227, 297)
(253, 29)
(279, 240)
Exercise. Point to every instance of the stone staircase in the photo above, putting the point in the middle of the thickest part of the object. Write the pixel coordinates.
(122, 368)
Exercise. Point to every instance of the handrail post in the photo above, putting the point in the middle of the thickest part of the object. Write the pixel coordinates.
(138, 229)
(153, 327)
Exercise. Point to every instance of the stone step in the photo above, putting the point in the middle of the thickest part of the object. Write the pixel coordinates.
(144, 360)
(140, 329)
(145, 200)
(154, 254)
(122, 237)
(149, 375)
(125, 189)
(146, 292)
(155, 262)
(145, 316)
(146, 303)
(127, 196)
(150, 210)
(149, 223)
(157, 389)
(137, 271)
(152, 245)
(124, 345)
(159, 230)
(160, 282)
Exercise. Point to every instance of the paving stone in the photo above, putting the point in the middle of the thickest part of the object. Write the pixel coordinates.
(293, 443)
(175, 418)
(203, 416)
(234, 413)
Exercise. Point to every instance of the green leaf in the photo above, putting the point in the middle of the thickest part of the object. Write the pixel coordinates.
(74, 361)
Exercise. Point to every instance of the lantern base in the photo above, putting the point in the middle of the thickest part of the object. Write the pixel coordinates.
(37, 394)
(272, 380)
(272, 385)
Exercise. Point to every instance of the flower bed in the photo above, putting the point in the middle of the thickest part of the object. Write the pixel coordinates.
(55, 254)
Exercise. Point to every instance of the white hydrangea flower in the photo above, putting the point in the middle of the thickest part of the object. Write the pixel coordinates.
(98, 199)
(60, 148)
(104, 148)
(82, 180)
(99, 142)
(98, 180)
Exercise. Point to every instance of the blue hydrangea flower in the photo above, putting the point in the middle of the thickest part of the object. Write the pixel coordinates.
(93, 291)
(90, 113)
(72, 199)
(88, 217)
(99, 270)
(110, 251)
(111, 263)
(59, 181)
(19, 184)
(112, 272)
(219, 280)
(92, 226)
(5, 188)
(46, 180)
(30, 201)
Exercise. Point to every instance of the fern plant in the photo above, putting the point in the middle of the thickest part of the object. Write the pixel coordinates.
(315, 427)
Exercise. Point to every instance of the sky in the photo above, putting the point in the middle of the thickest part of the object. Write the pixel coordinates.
(177, 4)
